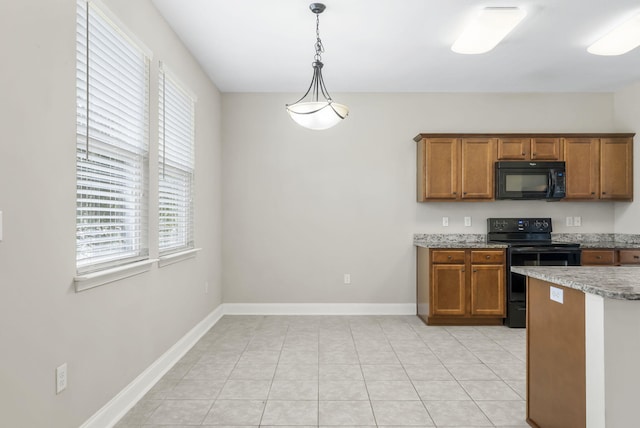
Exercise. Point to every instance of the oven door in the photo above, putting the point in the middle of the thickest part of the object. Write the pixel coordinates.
(517, 284)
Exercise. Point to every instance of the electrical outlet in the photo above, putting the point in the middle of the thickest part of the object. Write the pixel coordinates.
(445, 221)
(569, 221)
(467, 221)
(61, 378)
(577, 221)
(347, 278)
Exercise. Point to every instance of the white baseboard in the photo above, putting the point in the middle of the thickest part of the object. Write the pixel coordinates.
(320, 308)
(119, 405)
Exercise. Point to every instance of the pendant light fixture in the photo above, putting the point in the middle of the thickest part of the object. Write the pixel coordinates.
(316, 110)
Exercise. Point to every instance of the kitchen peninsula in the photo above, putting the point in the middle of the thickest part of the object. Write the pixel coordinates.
(583, 346)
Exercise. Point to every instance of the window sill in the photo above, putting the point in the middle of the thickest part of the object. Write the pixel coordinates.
(177, 257)
(96, 279)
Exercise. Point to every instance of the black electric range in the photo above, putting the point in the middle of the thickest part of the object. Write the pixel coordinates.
(529, 243)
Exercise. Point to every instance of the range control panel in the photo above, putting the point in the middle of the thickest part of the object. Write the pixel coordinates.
(542, 224)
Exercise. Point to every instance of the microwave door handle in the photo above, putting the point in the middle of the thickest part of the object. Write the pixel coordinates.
(551, 185)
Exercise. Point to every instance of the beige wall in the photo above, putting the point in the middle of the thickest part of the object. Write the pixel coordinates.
(110, 334)
(301, 208)
(627, 115)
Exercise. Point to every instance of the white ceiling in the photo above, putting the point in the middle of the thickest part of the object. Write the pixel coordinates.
(401, 45)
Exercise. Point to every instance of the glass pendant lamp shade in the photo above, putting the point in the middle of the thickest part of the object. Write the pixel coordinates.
(317, 115)
(316, 110)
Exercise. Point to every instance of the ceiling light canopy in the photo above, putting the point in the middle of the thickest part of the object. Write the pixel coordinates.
(311, 111)
(489, 27)
(620, 40)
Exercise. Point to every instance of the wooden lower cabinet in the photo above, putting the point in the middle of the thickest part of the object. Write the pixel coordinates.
(556, 366)
(461, 286)
(610, 257)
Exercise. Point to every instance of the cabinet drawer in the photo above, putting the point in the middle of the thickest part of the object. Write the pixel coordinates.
(447, 256)
(629, 257)
(598, 257)
(487, 256)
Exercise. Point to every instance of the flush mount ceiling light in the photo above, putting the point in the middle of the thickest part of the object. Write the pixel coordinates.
(311, 111)
(620, 40)
(490, 26)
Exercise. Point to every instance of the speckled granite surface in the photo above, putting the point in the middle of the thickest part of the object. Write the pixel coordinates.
(621, 283)
(478, 240)
(600, 240)
(453, 240)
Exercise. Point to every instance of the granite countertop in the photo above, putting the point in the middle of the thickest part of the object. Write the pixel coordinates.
(600, 240)
(613, 245)
(453, 240)
(622, 283)
(477, 240)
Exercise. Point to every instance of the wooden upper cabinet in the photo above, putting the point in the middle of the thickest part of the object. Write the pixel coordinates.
(538, 148)
(513, 148)
(616, 168)
(438, 162)
(546, 148)
(582, 160)
(478, 157)
(599, 168)
(456, 168)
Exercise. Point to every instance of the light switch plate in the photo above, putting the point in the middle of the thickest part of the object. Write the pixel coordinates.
(570, 221)
(577, 221)
(467, 221)
(445, 221)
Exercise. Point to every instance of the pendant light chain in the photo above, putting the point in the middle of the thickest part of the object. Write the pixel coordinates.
(319, 46)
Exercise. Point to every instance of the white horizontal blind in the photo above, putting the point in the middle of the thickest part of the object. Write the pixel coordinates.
(176, 181)
(112, 87)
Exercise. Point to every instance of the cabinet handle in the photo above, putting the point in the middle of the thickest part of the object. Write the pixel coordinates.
(522, 153)
(598, 257)
(464, 193)
(449, 257)
(488, 257)
(534, 153)
(604, 193)
(455, 193)
(593, 193)
(636, 257)
(462, 270)
(475, 270)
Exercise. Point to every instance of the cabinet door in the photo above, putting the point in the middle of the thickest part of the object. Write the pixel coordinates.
(513, 148)
(581, 156)
(478, 157)
(448, 290)
(487, 290)
(546, 149)
(616, 168)
(441, 168)
(598, 257)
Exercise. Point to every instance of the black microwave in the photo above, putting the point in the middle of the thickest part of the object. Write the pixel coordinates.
(530, 180)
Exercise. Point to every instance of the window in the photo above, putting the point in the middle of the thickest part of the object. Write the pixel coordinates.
(176, 169)
(112, 142)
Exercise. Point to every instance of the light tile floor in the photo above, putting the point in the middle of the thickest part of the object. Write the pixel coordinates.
(346, 371)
